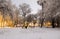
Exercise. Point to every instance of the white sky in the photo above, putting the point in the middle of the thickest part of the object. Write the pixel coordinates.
(32, 3)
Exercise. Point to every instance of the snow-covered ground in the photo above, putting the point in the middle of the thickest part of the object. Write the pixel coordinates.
(30, 33)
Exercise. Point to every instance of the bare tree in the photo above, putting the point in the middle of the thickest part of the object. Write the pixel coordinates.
(40, 17)
(25, 9)
(18, 19)
(29, 18)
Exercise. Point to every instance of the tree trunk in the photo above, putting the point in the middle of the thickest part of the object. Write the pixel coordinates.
(53, 26)
(42, 22)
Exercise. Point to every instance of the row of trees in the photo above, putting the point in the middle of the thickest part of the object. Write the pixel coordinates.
(50, 11)
(19, 15)
(6, 10)
(16, 15)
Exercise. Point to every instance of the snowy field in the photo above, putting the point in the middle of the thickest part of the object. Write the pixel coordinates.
(30, 33)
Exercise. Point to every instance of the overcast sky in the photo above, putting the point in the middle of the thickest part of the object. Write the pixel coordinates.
(32, 3)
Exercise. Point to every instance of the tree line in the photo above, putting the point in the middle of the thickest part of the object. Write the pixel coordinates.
(19, 15)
